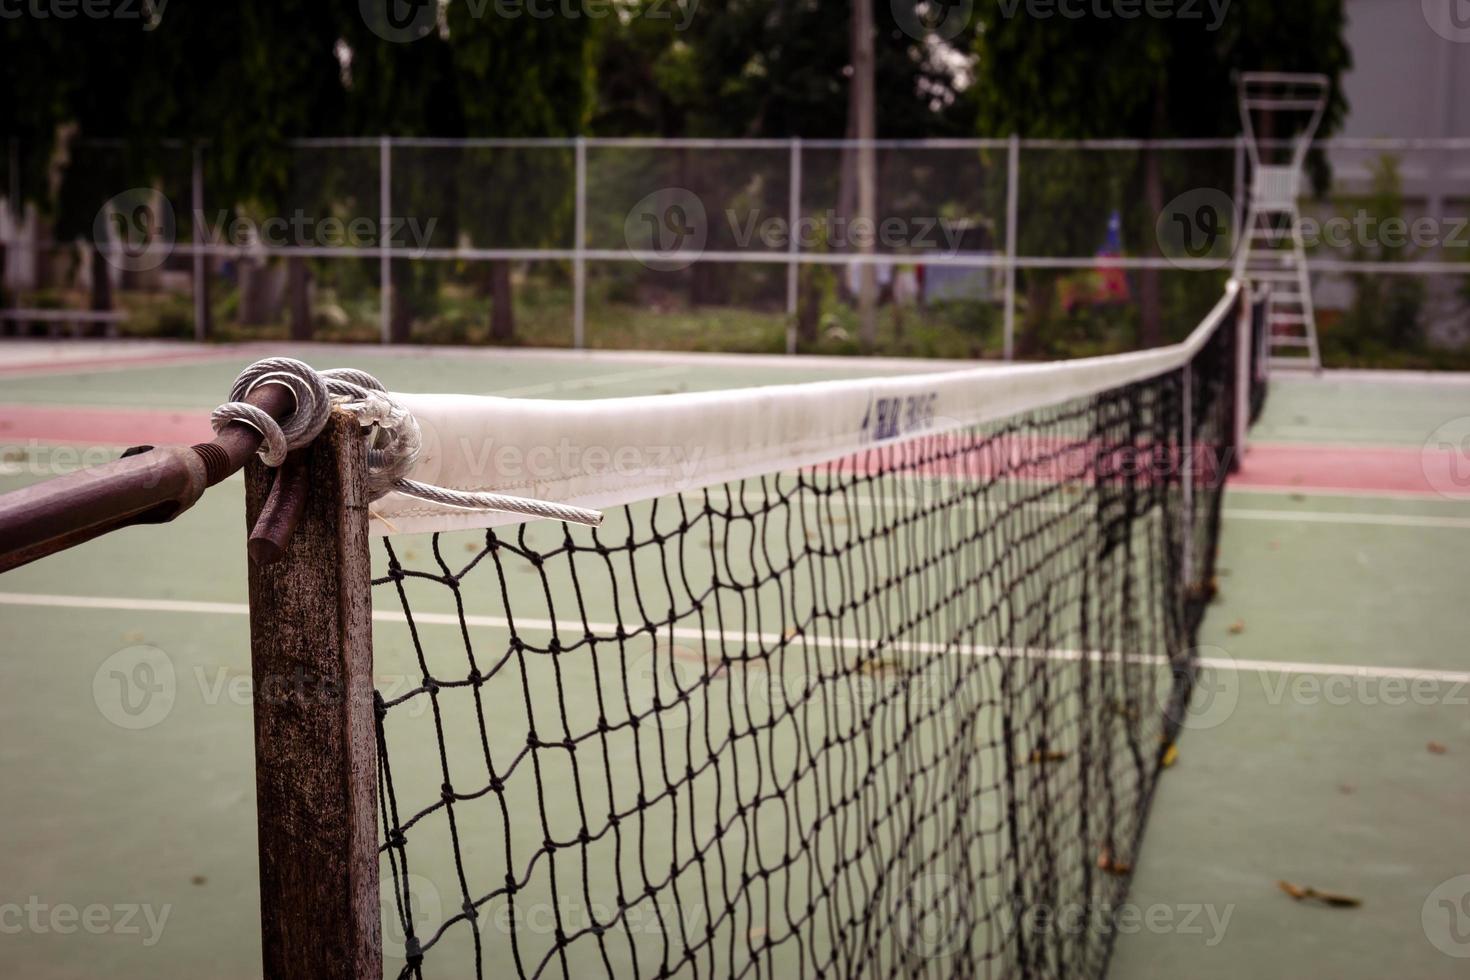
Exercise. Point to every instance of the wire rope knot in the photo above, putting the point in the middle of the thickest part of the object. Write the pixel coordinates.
(394, 437)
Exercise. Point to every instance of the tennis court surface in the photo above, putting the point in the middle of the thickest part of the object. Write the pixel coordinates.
(879, 679)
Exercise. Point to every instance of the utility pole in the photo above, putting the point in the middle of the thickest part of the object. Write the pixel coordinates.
(867, 167)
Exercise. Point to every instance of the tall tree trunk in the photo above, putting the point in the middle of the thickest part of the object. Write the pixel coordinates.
(299, 284)
(101, 281)
(502, 304)
(400, 323)
(1041, 287)
(255, 290)
(1150, 306)
(808, 305)
(206, 308)
(867, 166)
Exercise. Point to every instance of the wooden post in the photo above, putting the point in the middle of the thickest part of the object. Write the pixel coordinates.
(315, 748)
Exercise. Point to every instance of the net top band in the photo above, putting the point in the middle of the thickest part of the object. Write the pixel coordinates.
(604, 453)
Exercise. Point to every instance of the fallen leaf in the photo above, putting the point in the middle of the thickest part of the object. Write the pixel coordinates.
(1304, 893)
(1437, 748)
(1112, 865)
(1237, 627)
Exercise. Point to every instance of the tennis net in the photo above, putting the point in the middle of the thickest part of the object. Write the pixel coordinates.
(856, 679)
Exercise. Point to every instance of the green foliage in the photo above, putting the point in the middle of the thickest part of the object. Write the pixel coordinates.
(1387, 309)
(1145, 77)
(739, 69)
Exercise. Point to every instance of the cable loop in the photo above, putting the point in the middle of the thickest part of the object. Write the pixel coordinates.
(394, 440)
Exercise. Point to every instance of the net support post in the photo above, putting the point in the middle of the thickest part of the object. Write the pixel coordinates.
(1187, 473)
(1013, 197)
(793, 245)
(579, 260)
(1244, 364)
(315, 742)
(385, 258)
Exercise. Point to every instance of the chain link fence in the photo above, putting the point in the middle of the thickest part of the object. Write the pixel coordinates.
(979, 248)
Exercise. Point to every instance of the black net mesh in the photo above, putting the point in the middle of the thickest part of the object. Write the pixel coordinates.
(897, 715)
(1260, 315)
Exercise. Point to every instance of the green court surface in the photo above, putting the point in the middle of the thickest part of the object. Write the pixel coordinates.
(1363, 408)
(1293, 766)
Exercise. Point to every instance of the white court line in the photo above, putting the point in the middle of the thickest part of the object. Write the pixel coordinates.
(576, 629)
(1339, 517)
(1228, 513)
(594, 381)
(1427, 378)
(1351, 494)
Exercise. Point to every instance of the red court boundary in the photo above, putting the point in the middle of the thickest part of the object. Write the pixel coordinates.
(21, 424)
(118, 362)
(1367, 470)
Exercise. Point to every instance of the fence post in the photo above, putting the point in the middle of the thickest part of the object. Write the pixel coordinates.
(579, 249)
(1244, 369)
(1186, 474)
(201, 288)
(385, 261)
(1239, 200)
(793, 245)
(1013, 193)
(315, 745)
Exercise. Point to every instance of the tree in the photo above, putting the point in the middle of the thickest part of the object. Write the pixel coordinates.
(125, 101)
(529, 202)
(1150, 78)
(776, 69)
